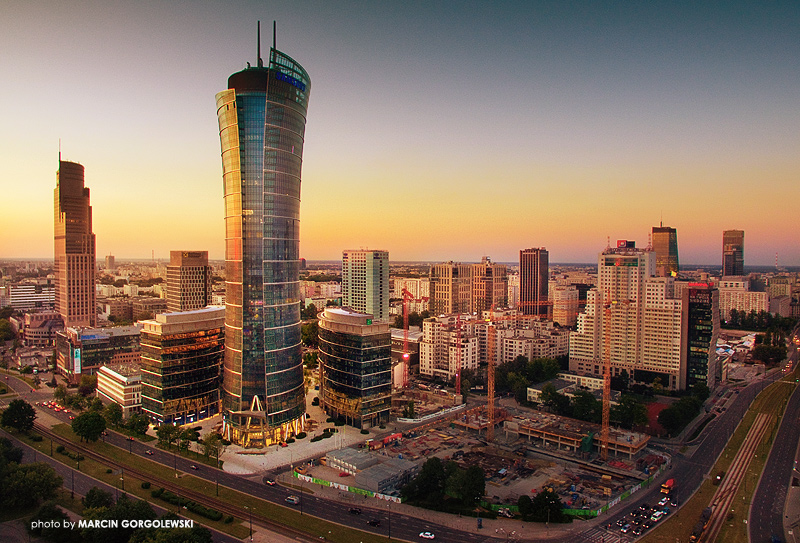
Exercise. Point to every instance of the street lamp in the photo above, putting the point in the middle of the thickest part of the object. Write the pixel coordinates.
(250, 512)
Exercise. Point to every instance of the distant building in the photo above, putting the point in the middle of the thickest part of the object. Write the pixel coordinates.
(733, 252)
(365, 282)
(450, 288)
(32, 295)
(111, 264)
(146, 307)
(665, 245)
(121, 384)
(356, 367)
(534, 275)
(75, 255)
(439, 352)
(181, 365)
(565, 304)
(188, 280)
(489, 286)
(735, 293)
(83, 351)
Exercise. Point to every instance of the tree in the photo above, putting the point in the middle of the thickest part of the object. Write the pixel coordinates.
(519, 386)
(97, 497)
(621, 382)
(309, 333)
(629, 412)
(138, 423)
(428, 486)
(409, 411)
(586, 407)
(6, 332)
(547, 507)
(87, 385)
(310, 359)
(28, 484)
(309, 312)
(47, 523)
(95, 404)
(89, 426)
(558, 403)
(113, 414)
(525, 505)
(19, 415)
(542, 369)
(124, 509)
(196, 534)
(474, 485)
(167, 433)
(60, 393)
(213, 445)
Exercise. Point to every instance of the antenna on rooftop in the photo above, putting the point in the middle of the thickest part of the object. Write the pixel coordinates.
(259, 63)
(274, 32)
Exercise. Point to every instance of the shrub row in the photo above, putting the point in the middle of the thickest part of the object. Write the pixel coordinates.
(192, 506)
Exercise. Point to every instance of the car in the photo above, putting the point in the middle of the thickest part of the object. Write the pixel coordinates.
(343, 474)
(294, 500)
(130, 438)
(284, 444)
(638, 530)
(194, 467)
(625, 529)
(427, 535)
(673, 502)
(657, 516)
(355, 511)
(663, 501)
(148, 452)
(72, 417)
(269, 482)
(374, 522)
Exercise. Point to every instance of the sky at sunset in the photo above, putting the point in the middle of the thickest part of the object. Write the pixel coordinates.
(436, 130)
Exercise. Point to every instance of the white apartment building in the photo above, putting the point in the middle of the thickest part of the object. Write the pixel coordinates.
(439, 347)
(565, 300)
(734, 293)
(631, 317)
(365, 282)
(418, 287)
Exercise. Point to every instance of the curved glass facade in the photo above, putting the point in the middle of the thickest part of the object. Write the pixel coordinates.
(262, 119)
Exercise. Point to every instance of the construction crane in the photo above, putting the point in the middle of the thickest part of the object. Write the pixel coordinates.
(606, 427)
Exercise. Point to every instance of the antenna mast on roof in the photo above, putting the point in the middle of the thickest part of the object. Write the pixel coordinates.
(259, 63)
(274, 31)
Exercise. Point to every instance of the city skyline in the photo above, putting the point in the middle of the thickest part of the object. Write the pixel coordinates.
(553, 125)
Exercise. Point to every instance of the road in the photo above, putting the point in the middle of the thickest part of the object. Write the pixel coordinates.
(767, 509)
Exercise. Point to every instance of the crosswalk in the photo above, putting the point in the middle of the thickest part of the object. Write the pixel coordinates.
(601, 535)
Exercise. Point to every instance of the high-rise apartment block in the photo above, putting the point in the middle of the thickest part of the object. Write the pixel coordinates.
(262, 118)
(534, 274)
(365, 282)
(181, 363)
(665, 245)
(111, 264)
(75, 256)
(565, 300)
(489, 286)
(633, 318)
(732, 252)
(356, 367)
(450, 288)
(439, 351)
(188, 280)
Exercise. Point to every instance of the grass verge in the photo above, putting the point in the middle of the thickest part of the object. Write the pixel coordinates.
(679, 526)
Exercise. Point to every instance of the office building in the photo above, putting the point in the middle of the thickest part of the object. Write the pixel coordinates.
(31, 295)
(111, 264)
(75, 256)
(356, 367)
(83, 351)
(732, 252)
(534, 275)
(121, 384)
(701, 330)
(665, 245)
(450, 288)
(489, 286)
(365, 282)
(262, 117)
(188, 280)
(181, 365)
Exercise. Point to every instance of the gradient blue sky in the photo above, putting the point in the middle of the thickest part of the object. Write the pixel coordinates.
(436, 130)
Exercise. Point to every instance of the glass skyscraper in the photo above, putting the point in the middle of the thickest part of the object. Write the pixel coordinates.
(262, 117)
